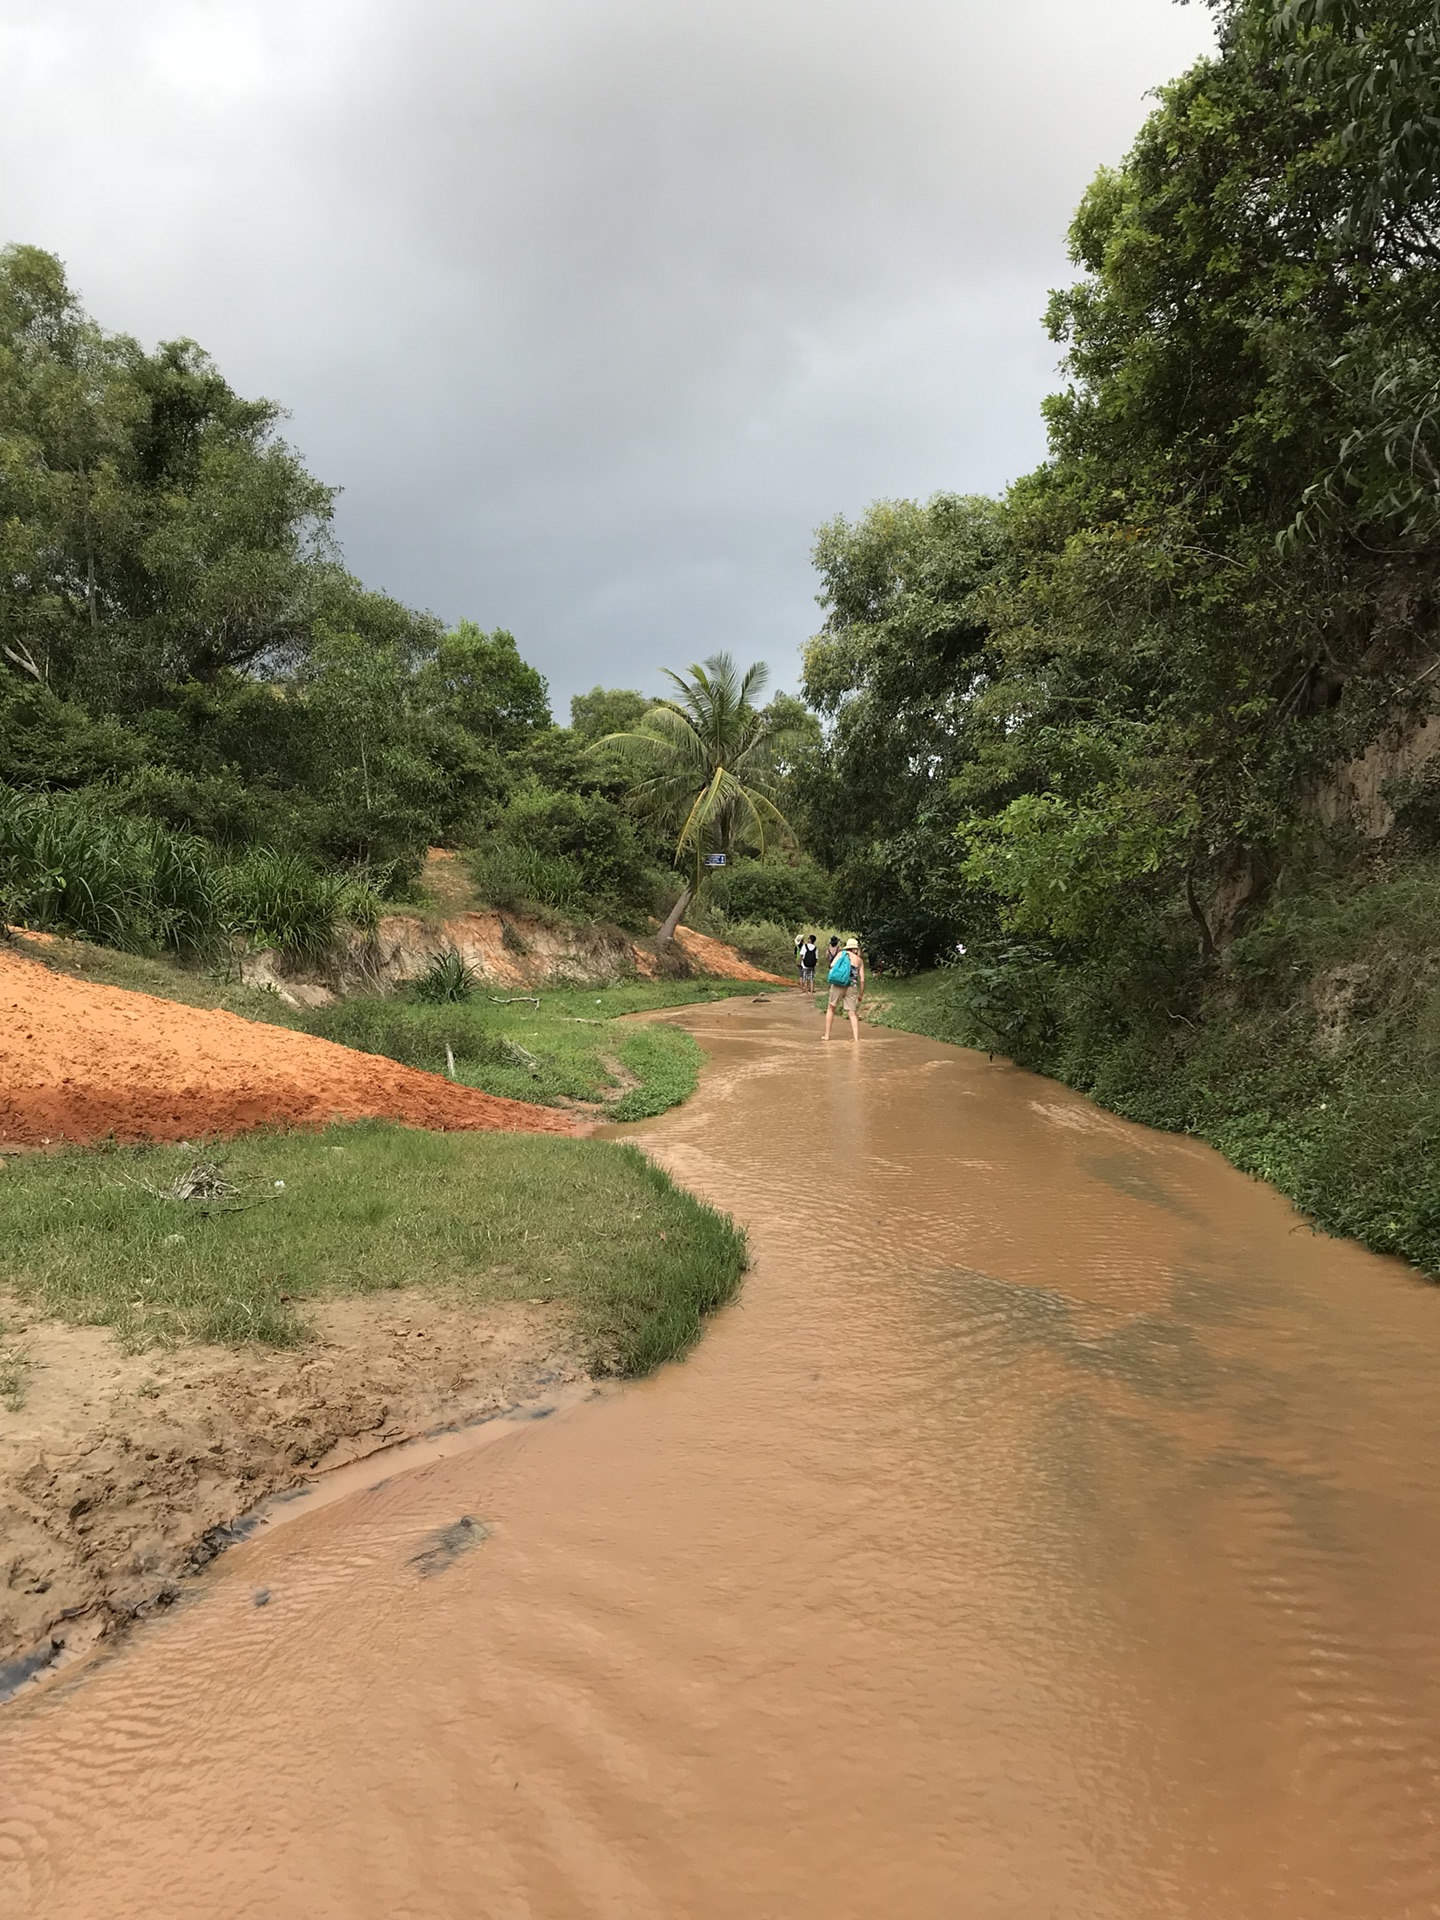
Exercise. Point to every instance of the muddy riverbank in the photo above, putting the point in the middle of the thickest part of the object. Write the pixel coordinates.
(1048, 1528)
(123, 1476)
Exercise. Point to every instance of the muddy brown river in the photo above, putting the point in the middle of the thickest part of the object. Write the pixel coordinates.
(1050, 1531)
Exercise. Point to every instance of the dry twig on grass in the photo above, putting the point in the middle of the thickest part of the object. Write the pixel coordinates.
(204, 1182)
(204, 1187)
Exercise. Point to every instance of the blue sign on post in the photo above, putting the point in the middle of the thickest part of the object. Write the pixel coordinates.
(714, 859)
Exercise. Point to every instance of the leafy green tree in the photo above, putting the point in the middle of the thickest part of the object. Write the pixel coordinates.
(1111, 691)
(153, 527)
(479, 680)
(705, 763)
(1225, 578)
(368, 764)
(897, 672)
(605, 710)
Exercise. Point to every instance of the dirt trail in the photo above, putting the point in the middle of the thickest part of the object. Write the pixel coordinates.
(80, 1062)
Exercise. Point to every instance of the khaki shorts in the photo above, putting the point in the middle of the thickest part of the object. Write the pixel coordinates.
(846, 997)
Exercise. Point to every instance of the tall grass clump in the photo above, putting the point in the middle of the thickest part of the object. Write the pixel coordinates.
(75, 863)
(514, 877)
(70, 862)
(281, 900)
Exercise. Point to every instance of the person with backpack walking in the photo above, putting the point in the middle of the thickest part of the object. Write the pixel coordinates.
(808, 954)
(847, 986)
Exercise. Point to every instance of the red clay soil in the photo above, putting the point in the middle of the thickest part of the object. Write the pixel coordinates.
(80, 1062)
(721, 962)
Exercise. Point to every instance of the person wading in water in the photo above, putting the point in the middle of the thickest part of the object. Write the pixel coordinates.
(847, 987)
(809, 954)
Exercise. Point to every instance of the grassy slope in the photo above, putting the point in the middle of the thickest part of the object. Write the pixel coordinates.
(89, 1237)
(166, 979)
(559, 1053)
(1311, 1058)
(92, 1237)
(563, 1050)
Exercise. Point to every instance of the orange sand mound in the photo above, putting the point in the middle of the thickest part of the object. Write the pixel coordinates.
(78, 1062)
(722, 962)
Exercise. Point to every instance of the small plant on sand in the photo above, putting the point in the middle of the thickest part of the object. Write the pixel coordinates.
(14, 1366)
(447, 980)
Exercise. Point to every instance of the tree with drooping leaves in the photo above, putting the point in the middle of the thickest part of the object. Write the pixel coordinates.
(705, 763)
(154, 528)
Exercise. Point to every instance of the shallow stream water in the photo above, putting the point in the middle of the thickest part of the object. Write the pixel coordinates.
(1049, 1531)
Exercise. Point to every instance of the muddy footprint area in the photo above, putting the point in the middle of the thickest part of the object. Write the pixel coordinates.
(121, 1474)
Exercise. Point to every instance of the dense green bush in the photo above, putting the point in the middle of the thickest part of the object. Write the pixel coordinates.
(771, 890)
(572, 851)
(282, 900)
(513, 878)
(75, 863)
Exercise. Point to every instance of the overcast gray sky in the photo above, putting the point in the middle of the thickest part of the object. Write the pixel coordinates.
(594, 308)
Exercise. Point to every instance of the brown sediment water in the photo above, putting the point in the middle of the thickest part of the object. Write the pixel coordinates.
(1049, 1530)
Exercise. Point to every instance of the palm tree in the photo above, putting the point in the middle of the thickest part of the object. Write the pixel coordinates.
(705, 762)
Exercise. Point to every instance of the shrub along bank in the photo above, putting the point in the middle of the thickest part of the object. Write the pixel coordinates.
(102, 1239)
(1309, 1054)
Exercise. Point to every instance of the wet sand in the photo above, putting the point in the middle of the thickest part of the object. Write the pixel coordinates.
(1049, 1530)
(123, 1472)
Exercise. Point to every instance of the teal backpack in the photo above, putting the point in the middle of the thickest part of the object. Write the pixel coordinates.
(841, 971)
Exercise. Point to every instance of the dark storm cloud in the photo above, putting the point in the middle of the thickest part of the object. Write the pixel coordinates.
(594, 310)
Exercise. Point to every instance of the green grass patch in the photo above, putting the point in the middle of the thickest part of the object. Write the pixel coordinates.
(919, 1003)
(95, 1238)
(666, 1062)
(564, 1049)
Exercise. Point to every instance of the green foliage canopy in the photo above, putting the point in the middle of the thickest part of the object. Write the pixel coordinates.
(1106, 697)
(191, 684)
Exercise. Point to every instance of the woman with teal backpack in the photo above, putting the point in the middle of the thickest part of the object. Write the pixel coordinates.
(847, 986)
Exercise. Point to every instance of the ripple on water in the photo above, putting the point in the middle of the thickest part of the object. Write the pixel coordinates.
(1048, 1530)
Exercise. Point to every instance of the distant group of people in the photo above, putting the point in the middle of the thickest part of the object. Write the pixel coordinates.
(845, 976)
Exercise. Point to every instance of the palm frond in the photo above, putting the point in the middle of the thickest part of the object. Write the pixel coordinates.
(703, 756)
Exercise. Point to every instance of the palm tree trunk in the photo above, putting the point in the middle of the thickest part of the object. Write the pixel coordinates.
(673, 919)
